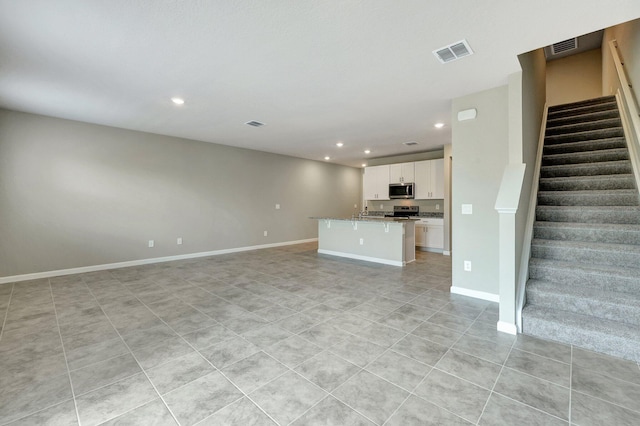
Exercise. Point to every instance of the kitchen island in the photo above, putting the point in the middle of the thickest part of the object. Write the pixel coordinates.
(386, 240)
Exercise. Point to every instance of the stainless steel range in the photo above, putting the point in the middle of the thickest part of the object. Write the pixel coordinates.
(404, 211)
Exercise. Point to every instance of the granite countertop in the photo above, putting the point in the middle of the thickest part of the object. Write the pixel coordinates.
(369, 219)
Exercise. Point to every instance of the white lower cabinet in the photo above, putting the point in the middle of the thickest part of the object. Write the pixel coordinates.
(430, 234)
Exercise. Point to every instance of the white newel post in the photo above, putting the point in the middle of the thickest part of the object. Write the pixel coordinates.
(507, 206)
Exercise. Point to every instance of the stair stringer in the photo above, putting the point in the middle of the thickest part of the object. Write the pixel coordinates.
(523, 275)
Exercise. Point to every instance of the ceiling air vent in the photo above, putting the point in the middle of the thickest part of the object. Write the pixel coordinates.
(453, 51)
(564, 46)
(410, 143)
(254, 123)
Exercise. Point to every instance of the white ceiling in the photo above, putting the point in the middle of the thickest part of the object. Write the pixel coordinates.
(316, 71)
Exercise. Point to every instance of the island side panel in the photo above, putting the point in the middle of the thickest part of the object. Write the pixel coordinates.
(409, 242)
(382, 241)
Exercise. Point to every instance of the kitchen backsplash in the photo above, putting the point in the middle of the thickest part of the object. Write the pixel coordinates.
(426, 206)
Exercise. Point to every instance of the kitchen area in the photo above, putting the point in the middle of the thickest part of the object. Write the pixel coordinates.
(403, 211)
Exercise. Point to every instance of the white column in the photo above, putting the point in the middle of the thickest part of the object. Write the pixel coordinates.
(507, 206)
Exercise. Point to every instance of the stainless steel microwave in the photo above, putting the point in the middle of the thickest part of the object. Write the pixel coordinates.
(401, 190)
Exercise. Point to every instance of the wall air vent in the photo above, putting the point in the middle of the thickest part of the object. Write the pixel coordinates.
(564, 46)
(410, 143)
(453, 51)
(254, 123)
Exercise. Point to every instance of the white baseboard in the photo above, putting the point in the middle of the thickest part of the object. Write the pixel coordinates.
(506, 327)
(476, 294)
(93, 268)
(359, 257)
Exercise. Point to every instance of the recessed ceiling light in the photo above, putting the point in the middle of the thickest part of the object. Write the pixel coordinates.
(177, 101)
(367, 151)
(438, 125)
(339, 144)
(254, 123)
(364, 164)
(327, 158)
(410, 143)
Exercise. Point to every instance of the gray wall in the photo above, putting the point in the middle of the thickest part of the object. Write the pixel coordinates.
(480, 153)
(574, 78)
(74, 194)
(533, 99)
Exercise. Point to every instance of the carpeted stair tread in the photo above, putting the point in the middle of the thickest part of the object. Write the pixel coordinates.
(584, 117)
(584, 267)
(589, 214)
(588, 169)
(587, 232)
(611, 132)
(581, 104)
(586, 301)
(572, 112)
(590, 253)
(588, 126)
(592, 145)
(585, 183)
(603, 277)
(601, 155)
(601, 335)
(610, 197)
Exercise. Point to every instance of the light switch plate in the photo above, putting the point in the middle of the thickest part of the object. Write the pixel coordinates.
(277, 206)
(467, 209)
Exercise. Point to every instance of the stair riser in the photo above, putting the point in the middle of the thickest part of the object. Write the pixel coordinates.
(591, 157)
(558, 198)
(614, 143)
(587, 256)
(584, 127)
(587, 235)
(623, 167)
(602, 342)
(580, 215)
(584, 136)
(574, 277)
(573, 112)
(584, 306)
(583, 104)
(560, 184)
(583, 118)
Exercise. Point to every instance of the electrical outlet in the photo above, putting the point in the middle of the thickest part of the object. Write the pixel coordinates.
(467, 265)
(361, 241)
(179, 241)
(265, 233)
(277, 206)
(437, 206)
(467, 209)
(381, 206)
(355, 206)
(151, 243)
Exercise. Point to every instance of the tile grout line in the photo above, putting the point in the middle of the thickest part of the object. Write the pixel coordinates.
(132, 354)
(198, 352)
(570, 384)
(6, 314)
(410, 392)
(497, 379)
(64, 352)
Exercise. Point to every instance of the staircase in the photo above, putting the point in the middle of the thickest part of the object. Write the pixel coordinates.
(584, 272)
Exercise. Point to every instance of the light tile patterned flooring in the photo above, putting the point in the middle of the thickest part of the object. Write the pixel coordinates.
(284, 336)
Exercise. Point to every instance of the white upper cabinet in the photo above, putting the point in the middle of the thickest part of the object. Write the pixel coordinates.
(375, 184)
(429, 179)
(401, 173)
